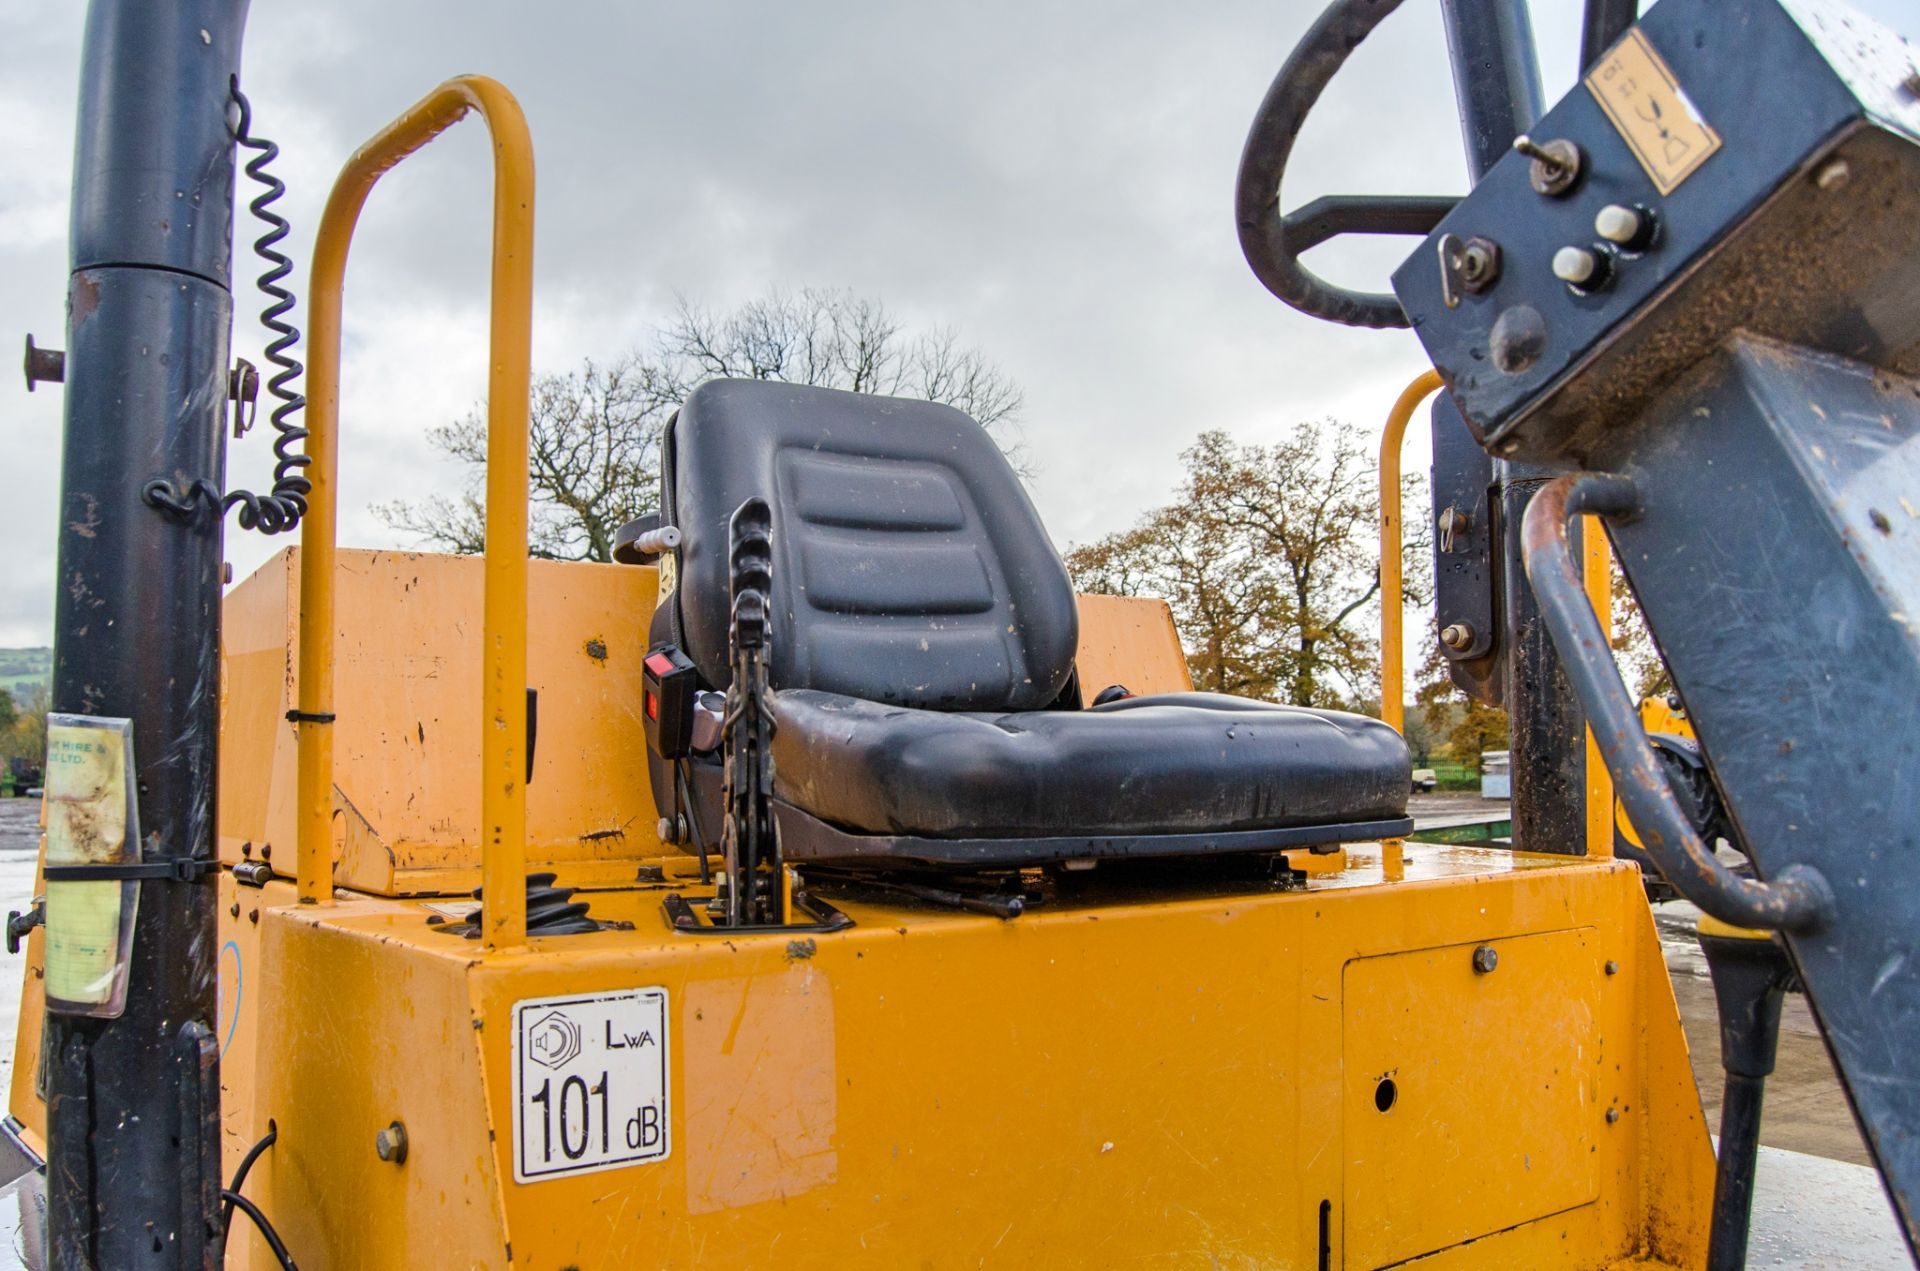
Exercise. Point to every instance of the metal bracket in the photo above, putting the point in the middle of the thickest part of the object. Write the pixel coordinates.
(177, 871)
(20, 924)
(44, 366)
(684, 914)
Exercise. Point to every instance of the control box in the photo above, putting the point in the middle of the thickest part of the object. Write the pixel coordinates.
(1729, 164)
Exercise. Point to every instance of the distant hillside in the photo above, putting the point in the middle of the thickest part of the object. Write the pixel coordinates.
(22, 669)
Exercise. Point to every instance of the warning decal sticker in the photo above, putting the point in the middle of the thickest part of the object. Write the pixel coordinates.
(590, 1083)
(1652, 112)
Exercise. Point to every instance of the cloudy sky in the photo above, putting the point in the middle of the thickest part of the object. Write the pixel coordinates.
(1053, 179)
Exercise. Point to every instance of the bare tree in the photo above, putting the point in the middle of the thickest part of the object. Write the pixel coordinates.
(833, 339)
(594, 434)
(592, 453)
(1269, 559)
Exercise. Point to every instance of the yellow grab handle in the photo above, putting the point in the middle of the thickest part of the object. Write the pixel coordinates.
(503, 691)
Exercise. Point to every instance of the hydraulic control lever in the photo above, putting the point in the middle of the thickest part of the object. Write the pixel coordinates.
(749, 842)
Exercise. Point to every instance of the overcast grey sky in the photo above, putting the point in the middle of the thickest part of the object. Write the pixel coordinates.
(1053, 179)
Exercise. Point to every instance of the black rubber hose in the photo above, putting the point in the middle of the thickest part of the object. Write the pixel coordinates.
(1750, 979)
(1733, 1179)
(246, 1166)
(267, 1233)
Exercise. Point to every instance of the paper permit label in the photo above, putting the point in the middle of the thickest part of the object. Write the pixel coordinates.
(87, 810)
(590, 1083)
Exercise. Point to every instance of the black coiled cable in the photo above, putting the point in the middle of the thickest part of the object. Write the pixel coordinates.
(281, 509)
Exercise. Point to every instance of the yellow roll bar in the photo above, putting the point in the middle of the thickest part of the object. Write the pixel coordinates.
(1598, 567)
(1393, 659)
(503, 691)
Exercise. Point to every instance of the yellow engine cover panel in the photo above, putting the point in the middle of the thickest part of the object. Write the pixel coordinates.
(1184, 1078)
(1472, 1095)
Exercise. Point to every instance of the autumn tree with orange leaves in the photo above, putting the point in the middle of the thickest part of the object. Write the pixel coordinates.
(1269, 559)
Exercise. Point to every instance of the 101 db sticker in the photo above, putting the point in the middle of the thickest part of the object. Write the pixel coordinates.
(589, 1083)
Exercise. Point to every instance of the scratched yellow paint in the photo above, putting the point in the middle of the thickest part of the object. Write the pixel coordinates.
(406, 749)
(1100, 1081)
(1180, 1078)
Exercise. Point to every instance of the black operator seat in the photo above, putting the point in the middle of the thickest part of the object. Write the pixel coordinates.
(923, 640)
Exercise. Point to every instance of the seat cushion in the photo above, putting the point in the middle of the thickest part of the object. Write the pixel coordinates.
(909, 565)
(1171, 764)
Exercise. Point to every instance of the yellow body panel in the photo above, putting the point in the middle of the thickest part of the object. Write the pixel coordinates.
(1133, 1072)
(1127, 640)
(406, 740)
(1177, 1079)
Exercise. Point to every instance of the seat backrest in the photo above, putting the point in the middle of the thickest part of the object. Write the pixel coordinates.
(909, 565)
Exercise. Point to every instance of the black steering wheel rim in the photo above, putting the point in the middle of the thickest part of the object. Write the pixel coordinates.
(1273, 243)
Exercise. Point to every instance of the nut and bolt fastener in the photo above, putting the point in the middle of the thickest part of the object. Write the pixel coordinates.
(390, 1144)
(1457, 635)
(1480, 263)
(1485, 958)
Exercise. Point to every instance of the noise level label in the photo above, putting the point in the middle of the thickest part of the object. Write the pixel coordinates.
(590, 1082)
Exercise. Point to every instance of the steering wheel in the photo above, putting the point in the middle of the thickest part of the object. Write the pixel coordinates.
(1274, 243)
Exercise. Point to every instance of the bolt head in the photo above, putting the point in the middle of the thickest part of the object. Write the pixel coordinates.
(1833, 176)
(390, 1144)
(1575, 265)
(1485, 959)
(1613, 1114)
(667, 830)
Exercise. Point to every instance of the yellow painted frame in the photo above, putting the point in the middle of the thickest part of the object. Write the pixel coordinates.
(504, 621)
(1598, 567)
(1393, 658)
